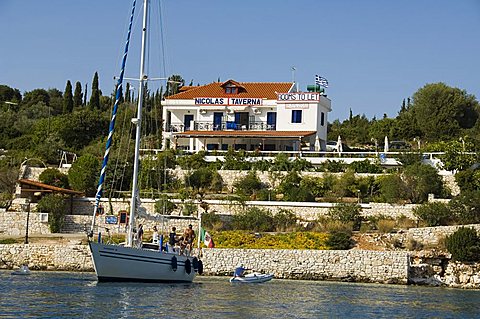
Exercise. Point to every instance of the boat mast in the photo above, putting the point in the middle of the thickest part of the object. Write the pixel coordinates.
(112, 123)
(138, 122)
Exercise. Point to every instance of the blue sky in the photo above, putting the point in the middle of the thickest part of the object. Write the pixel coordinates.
(373, 53)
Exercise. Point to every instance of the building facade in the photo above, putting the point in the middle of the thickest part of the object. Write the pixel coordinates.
(247, 115)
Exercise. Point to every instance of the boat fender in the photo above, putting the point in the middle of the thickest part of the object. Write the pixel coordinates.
(188, 266)
(195, 264)
(200, 267)
(174, 263)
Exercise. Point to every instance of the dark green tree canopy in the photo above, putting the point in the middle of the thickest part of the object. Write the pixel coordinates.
(442, 111)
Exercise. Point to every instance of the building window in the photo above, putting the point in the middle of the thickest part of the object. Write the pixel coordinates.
(231, 90)
(322, 119)
(296, 116)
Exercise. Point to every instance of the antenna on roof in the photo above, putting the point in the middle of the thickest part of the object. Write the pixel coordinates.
(293, 77)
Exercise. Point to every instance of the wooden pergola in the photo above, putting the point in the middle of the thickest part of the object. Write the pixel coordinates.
(34, 190)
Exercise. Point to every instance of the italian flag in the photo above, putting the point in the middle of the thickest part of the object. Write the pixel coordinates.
(207, 239)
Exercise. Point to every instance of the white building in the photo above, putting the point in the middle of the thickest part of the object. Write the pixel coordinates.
(249, 116)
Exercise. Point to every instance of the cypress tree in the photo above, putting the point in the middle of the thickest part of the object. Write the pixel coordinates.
(85, 97)
(77, 95)
(95, 97)
(68, 99)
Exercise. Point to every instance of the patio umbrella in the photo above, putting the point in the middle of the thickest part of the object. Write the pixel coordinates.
(317, 144)
(339, 145)
(385, 146)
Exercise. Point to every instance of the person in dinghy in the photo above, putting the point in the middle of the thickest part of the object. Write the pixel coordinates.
(239, 271)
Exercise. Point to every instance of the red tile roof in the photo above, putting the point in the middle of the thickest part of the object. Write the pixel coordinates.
(48, 187)
(265, 90)
(287, 134)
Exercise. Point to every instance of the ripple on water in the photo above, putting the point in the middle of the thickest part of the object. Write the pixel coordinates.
(79, 295)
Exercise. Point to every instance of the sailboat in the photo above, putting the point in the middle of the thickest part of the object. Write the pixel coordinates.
(133, 260)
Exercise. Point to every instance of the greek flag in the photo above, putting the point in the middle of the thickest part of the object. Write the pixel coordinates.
(321, 81)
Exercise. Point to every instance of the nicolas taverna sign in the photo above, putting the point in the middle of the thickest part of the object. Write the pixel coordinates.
(227, 101)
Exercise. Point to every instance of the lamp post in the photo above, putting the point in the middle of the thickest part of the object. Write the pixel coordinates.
(26, 207)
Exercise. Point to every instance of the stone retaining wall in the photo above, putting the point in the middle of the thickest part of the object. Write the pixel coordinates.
(348, 265)
(342, 265)
(431, 236)
(394, 267)
(46, 257)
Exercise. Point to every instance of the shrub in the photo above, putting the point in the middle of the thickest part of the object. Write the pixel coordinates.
(466, 207)
(386, 226)
(464, 245)
(391, 188)
(204, 179)
(284, 220)
(54, 177)
(421, 180)
(164, 206)
(55, 206)
(255, 219)
(211, 220)
(346, 212)
(365, 166)
(339, 240)
(434, 214)
(412, 244)
(248, 185)
(189, 209)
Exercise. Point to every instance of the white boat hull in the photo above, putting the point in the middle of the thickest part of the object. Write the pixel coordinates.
(119, 263)
(252, 278)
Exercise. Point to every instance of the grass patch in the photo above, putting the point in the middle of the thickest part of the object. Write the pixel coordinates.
(8, 241)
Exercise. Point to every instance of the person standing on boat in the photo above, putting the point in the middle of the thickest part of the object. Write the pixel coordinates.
(172, 237)
(189, 237)
(140, 234)
(155, 235)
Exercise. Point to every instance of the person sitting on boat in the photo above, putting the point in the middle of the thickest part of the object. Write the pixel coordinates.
(155, 235)
(189, 237)
(239, 271)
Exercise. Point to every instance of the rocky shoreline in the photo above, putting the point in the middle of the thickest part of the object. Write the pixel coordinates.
(428, 268)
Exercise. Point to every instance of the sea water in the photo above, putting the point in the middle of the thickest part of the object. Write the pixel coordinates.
(79, 295)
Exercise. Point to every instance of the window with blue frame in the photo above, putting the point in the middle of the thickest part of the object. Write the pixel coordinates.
(296, 116)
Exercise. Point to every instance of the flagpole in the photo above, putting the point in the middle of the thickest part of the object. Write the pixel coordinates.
(199, 230)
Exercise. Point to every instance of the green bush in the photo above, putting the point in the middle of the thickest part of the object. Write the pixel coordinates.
(55, 206)
(464, 245)
(204, 179)
(466, 207)
(254, 219)
(248, 185)
(164, 206)
(365, 166)
(210, 220)
(391, 188)
(421, 180)
(284, 220)
(189, 209)
(434, 214)
(54, 177)
(339, 240)
(345, 212)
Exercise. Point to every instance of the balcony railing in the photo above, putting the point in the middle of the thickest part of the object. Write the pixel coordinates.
(224, 125)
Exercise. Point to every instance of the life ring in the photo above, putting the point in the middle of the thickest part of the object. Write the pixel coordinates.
(188, 266)
(200, 267)
(195, 264)
(174, 263)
